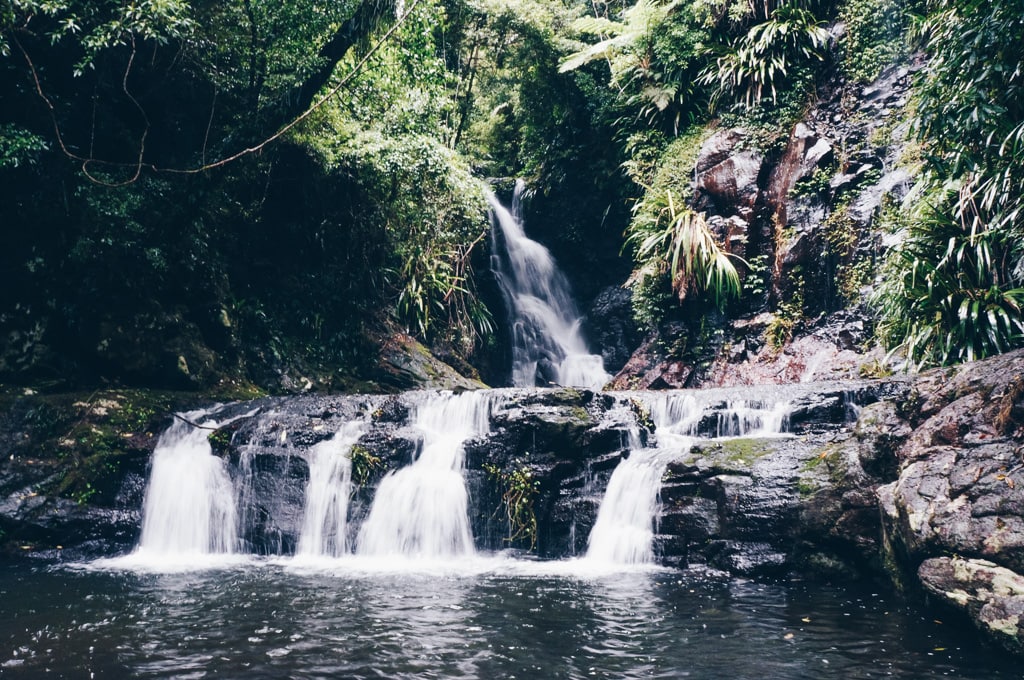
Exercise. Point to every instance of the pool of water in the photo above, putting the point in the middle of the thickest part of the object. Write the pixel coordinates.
(486, 619)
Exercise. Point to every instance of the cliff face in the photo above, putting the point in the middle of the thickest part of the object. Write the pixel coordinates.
(812, 218)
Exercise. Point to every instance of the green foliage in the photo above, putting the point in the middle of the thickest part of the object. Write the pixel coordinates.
(364, 464)
(18, 146)
(96, 25)
(841, 236)
(946, 295)
(675, 241)
(759, 62)
(518, 488)
(789, 313)
(655, 52)
(971, 108)
(953, 290)
(876, 35)
(431, 210)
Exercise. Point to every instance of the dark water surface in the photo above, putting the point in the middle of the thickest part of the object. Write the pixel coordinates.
(267, 620)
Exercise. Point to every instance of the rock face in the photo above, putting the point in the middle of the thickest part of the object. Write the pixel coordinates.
(991, 595)
(960, 485)
(609, 324)
(802, 213)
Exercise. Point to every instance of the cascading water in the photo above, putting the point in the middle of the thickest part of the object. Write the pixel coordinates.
(421, 510)
(325, 518)
(624, 530)
(189, 507)
(753, 419)
(547, 345)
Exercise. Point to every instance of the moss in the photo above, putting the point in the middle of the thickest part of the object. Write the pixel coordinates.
(745, 449)
(735, 453)
(88, 438)
(874, 369)
(565, 396)
(806, 488)
(579, 413)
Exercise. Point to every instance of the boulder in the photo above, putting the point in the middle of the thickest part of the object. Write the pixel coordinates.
(727, 176)
(992, 596)
(406, 364)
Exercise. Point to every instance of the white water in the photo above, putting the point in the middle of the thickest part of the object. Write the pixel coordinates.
(626, 521)
(421, 510)
(325, 517)
(189, 508)
(545, 324)
(753, 419)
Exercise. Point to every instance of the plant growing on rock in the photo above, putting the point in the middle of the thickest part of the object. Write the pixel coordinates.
(364, 464)
(519, 488)
(955, 287)
(948, 295)
(671, 239)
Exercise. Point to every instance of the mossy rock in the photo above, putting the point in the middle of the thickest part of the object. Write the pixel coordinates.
(731, 455)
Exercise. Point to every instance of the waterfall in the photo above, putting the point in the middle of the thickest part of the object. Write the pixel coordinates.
(624, 530)
(421, 510)
(547, 345)
(325, 517)
(189, 506)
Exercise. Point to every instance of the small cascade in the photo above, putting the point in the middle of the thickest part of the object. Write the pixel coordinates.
(547, 345)
(325, 518)
(624, 530)
(189, 506)
(753, 419)
(625, 527)
(421, 510)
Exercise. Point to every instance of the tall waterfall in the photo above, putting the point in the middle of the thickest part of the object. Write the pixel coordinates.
(624, 530)
(325, 517)
(547, 345)
(189, 507)
(421, 510)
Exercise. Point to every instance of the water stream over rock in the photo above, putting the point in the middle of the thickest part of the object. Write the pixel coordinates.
(421, 510)
(547, 343)
(190, 502)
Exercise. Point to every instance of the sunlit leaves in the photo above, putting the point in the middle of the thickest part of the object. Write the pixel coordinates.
(758, 62)
(98, 25)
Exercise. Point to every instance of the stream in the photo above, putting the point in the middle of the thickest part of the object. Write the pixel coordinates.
(488, 619)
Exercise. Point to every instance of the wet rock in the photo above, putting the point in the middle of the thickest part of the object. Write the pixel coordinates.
(718, 148)
(961, 487)
(881, 431)
(805, 152)
(406, 364)
(990, 595)
(650, 368)
(610, 325)
(731, 185)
